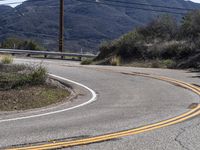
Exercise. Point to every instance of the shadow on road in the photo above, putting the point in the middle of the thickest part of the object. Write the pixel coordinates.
(197, 72)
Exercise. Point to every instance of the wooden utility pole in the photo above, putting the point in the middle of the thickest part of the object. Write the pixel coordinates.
(61, 27)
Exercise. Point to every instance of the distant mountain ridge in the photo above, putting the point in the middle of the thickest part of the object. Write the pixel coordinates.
(86, 24)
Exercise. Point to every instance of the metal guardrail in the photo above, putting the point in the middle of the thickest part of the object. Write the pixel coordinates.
(45, 53)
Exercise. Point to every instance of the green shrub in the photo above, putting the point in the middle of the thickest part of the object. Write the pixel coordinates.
(38, 75)
(190, 27)
(161, 43)
(106, 49)
(169, 63)
(129, 45)
(163, 27)
(25, 75)
(7, 59)
(169, 50)
(163, 63)
(115, 61)
(131, 51)
(17, 43)
(156, 64)
(11, 43)
(86, 61)
(133, 36)
(12, 68)
(177, 50)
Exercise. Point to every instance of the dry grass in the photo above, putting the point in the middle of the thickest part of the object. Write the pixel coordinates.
(25, 87)
(6, 59)
(29, 97)
(14, 76)
(115, 61)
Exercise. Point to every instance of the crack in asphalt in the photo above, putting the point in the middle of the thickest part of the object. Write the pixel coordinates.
(183, 130)
(179, 141)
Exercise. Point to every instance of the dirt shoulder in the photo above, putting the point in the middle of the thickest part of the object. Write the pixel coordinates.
(30, 97)
(25, 87)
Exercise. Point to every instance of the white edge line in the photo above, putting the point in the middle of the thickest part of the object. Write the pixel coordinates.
(94, 97)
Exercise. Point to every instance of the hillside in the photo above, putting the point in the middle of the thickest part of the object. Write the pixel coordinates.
(86, 25)
(161, 43)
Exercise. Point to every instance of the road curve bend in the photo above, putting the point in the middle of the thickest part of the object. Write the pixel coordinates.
(130, 101)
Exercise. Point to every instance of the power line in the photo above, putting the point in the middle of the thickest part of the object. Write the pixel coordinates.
(94, 2)
(55, 36)
(143, 4)
(111, 2)
(138, 8)
(30, 33)
(116, 4)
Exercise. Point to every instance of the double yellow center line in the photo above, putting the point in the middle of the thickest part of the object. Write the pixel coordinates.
(192, 113)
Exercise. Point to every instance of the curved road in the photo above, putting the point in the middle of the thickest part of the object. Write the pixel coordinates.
(123, 102)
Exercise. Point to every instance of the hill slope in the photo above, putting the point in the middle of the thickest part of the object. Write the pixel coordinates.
(161, 43)
(86, 24)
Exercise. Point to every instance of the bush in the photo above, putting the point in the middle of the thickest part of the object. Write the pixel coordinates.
(16, 76)
(106, 49)
(163, 27)
(86, 61)
(131, 51)
(38, 75)
(191, 62)
(190, 27)
(162, 63)
(129, 45)
(162, 42)
(11, 43)
(133, 44)
(16, 43)
(6, 59)
(169, 63)
(115, 61)
(156, 64)
(169, 50)
(177, 50)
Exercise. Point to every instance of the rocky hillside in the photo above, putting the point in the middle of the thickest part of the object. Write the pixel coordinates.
(86, 24)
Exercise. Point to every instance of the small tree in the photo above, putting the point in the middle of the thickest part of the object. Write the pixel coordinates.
(29, 45)
(163, 27)
(11, 43)
(17, 43)
(190, 27)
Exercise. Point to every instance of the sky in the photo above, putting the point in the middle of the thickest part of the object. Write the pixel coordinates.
(197, 1)
(13, 1)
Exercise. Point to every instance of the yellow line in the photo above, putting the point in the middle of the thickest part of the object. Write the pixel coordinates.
(192, 113)
(88, 141)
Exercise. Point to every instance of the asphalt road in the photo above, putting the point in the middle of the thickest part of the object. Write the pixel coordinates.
(123, 102)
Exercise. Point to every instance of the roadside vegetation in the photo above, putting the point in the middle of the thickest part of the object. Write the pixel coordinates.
(6, 59)
(163, 42)
(17, 43)
(86, 61)
(26, 87)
